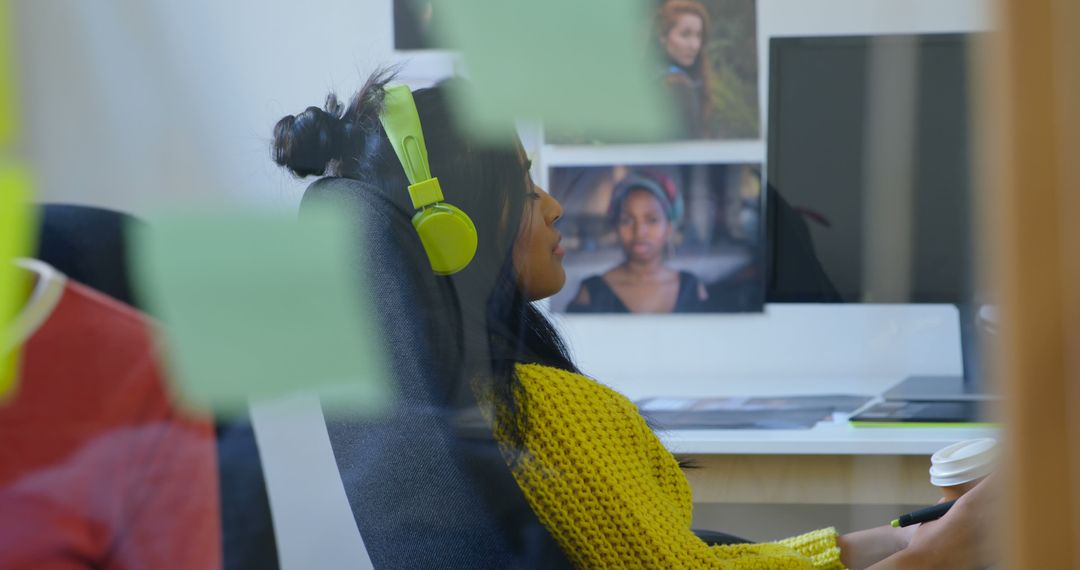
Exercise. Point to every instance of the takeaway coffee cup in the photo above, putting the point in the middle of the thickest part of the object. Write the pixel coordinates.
(959, 467)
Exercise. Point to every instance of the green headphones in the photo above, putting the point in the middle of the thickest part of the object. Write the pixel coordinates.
(448, 235)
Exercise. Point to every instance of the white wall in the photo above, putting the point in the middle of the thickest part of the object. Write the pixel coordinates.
(133, 102)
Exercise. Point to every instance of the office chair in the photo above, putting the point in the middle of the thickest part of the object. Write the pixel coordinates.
(87, 244)
(422, 495)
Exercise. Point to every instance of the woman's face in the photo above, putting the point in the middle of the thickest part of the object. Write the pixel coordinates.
(683, 40)
(644, 229)
(537, 254)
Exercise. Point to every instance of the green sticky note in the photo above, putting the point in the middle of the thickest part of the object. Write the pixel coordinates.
(7, 76)
(259, 305)
(16, 240)
(577, 65)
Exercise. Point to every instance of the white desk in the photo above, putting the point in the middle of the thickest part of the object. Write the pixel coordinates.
(833, 463)
(824, 439)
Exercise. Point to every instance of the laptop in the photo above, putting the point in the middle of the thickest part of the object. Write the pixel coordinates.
(938, 389)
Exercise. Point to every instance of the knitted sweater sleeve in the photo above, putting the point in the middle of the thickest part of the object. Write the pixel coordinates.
(612, 496)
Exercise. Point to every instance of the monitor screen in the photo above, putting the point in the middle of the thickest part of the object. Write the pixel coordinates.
(869, 171)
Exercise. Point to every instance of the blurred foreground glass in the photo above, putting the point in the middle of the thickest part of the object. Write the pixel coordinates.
(8, 115)
(573, 65)
(259, 305)
(16, 240)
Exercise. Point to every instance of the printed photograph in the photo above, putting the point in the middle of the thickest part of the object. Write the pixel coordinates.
(707, 66)
(412, 25)
(660, 238)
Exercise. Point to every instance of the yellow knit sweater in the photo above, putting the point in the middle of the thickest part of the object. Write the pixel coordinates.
(614, 497)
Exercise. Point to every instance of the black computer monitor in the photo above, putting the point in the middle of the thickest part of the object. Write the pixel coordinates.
(818, 156)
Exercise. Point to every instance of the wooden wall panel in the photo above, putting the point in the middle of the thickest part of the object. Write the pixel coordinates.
(1033, 244)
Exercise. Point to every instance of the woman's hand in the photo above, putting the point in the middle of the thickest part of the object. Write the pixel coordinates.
(861, 549)
(957, 541)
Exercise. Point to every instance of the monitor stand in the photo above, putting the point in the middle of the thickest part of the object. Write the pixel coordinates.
(936, 389)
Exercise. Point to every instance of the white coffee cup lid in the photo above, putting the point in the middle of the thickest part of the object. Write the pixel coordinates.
(963, 462)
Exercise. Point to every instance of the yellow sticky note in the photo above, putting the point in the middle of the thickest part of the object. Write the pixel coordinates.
(7, 76)
(16, 225)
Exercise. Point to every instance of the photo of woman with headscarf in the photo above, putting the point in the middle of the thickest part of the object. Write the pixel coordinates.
(650, 239)
(645, 208)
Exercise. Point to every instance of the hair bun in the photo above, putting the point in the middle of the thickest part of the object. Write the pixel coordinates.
(308, 143)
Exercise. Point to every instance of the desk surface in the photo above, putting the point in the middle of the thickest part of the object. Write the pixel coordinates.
(826, 438)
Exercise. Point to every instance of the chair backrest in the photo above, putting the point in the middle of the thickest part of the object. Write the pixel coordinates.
(88, 245)
(423, 495)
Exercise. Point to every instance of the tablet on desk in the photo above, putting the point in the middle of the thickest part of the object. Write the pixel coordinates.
(937, 389)
(910, 414)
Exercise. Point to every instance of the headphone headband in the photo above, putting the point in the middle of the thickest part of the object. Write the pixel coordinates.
(401, 122)
(447, 233)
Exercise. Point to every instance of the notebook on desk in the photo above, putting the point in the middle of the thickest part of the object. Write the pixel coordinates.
(779, 412)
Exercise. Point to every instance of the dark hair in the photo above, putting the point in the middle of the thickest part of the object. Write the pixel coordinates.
(498, 327)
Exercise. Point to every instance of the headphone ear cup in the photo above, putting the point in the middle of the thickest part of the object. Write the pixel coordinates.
(448, 236)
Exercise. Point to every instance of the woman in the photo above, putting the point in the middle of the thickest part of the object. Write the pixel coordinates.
(645, 208)
(683, 27)
(593, 472)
